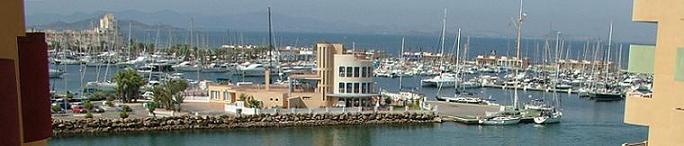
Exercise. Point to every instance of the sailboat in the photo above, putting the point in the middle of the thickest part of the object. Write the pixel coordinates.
(402, 95)
(606, 93)
(459, 96)
(510, 119)
(443, 79)
(548, 114)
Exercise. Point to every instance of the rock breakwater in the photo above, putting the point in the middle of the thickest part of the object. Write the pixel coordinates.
(105, 126)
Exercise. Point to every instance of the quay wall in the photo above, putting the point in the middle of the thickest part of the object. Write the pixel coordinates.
(108, 126)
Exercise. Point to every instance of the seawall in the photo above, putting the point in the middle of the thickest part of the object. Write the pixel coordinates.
(106, 126)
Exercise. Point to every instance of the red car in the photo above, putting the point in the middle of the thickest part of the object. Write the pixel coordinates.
(78, 109)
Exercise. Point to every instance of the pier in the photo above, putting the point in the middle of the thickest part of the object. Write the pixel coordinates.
(462, 113)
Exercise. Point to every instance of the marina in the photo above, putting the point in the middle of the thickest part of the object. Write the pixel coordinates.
(487, 90)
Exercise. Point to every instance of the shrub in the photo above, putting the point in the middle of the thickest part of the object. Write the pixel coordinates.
(89, 115)
(87, 105)
(126, 108)
(56, 108)
(123, 114)
(109, 103)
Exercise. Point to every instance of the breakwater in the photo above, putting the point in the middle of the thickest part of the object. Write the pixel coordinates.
(105, 126)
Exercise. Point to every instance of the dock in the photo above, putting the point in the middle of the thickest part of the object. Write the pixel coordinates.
(569, 91)
(471, 113)
(461, 112)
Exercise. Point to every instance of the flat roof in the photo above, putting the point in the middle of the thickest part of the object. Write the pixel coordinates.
(353, 95)
(305, 76)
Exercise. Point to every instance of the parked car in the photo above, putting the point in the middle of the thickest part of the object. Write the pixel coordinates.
(78, 109)
(98, 109)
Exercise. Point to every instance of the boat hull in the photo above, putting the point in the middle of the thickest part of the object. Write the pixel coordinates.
(499, 122)
(606, 96)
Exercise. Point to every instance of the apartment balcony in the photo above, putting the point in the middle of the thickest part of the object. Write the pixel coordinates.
(638, 109)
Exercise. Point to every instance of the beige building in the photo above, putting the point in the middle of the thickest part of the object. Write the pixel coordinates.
(586, 65)
(341, 79)
(663, 112)
(502, 61)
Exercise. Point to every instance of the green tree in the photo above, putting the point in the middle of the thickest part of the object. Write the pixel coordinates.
(87, 105)
(168, 94)
(128, 84)
(151, 106)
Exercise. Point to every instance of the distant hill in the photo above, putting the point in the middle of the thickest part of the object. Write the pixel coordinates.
(256, 21)
(92, 22)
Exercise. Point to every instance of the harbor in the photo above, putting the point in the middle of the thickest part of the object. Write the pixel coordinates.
(326, 82)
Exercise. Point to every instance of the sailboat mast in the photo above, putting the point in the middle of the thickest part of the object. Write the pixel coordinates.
(270, 41)
(401, 64)
(610, 42)
(620, 59)
(520, 20)
(458, 53)
(444, 21)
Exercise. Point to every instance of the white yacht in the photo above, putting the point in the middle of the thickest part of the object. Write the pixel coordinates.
(215, 68)
(548, 118)
(54, 73)
(185, 66)
(253, 70)
(91, 87)
(443, 80)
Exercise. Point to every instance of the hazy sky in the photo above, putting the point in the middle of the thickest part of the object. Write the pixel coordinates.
(575, 18)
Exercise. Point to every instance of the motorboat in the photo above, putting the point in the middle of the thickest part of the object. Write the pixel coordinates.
(54, 73)
(443, 80)
(185, 67)
(215, 68)
(551, 117)
(253, 70)
(605, 95)
(92, 87)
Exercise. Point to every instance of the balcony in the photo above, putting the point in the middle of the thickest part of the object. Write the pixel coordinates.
(638, 109)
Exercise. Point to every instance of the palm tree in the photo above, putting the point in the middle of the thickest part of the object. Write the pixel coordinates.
(128, 84)
(168, 94)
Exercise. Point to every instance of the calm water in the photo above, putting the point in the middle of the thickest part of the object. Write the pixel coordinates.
(584, 122)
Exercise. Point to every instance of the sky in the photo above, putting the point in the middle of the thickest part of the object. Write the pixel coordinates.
(580, 19)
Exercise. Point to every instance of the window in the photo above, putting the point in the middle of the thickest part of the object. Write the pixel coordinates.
(356, 87)
(356, 72)
(364, 72)
(349, 88)
(341, 86)
(364, 88)
(679, 65)
(342, 71)
(370, 71)
(349, 71)
(225, 95)
(370, 87)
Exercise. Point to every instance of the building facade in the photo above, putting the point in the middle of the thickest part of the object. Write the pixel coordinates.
(501, 61)
(341, 79)
(24, 84)
(663, 112)
(105, 35)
